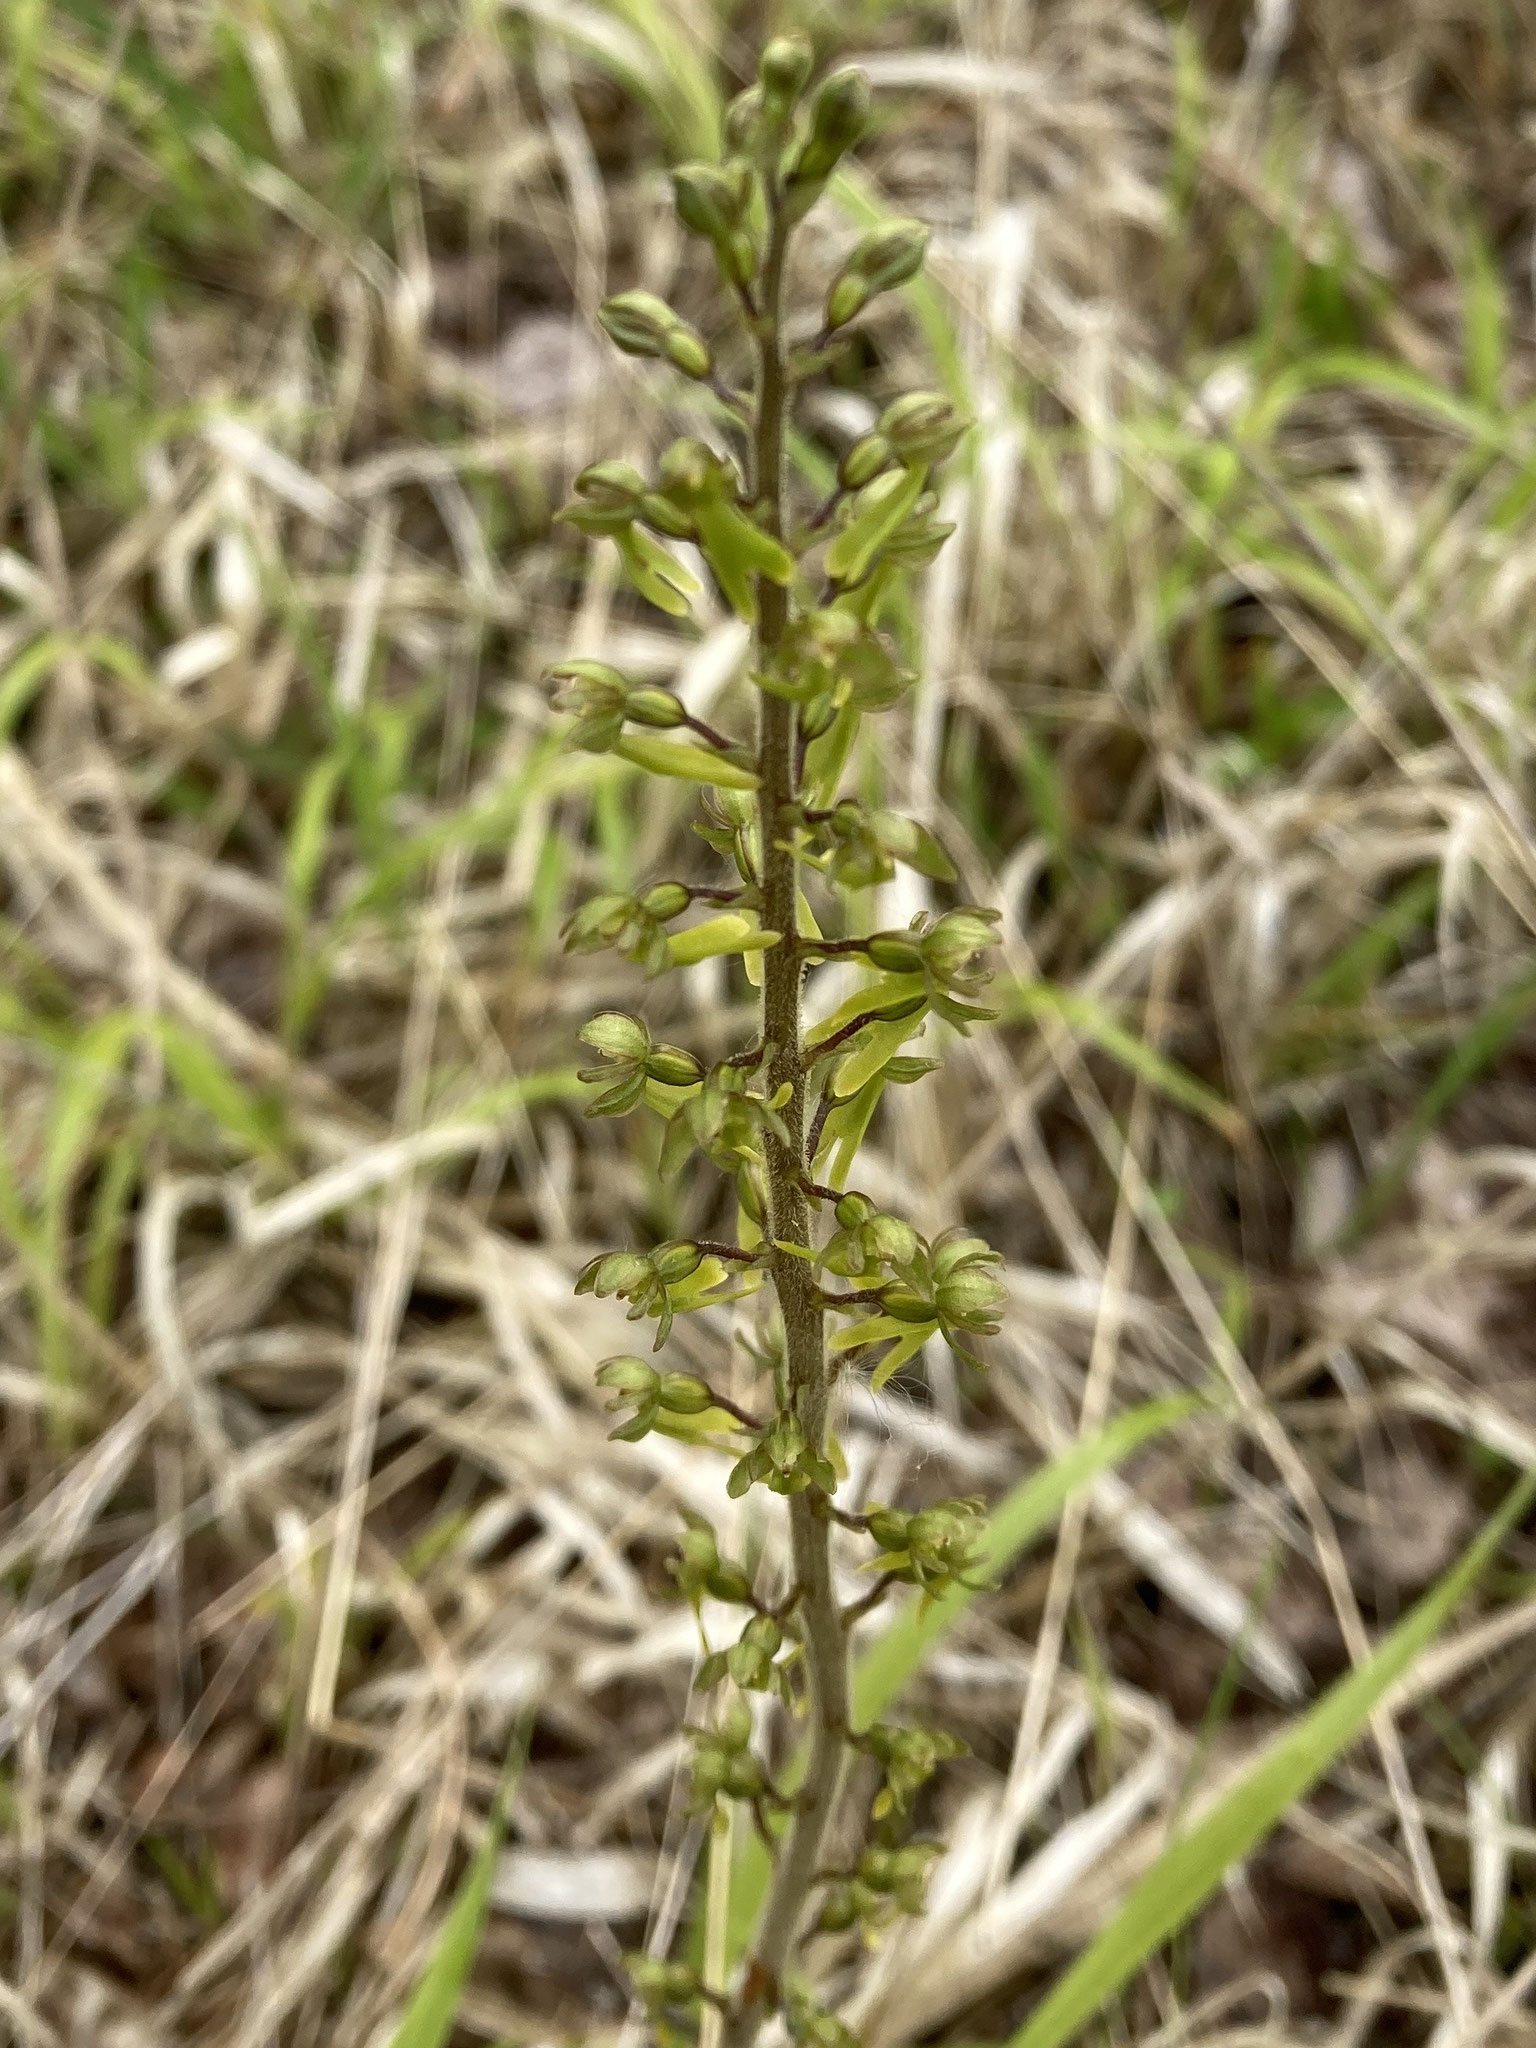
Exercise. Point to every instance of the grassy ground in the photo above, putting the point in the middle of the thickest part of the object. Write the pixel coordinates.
(1227, 703)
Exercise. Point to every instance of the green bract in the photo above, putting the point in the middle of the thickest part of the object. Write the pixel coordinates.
(784, 852)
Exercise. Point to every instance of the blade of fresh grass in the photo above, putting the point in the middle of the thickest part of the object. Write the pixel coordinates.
(1358, 965)
(890, 1665)
(1489, 1035)
(429, 2017)
(1191, 1868)
(91, 1079)
(1090, 1018)
(646, 52)
(1484, 320)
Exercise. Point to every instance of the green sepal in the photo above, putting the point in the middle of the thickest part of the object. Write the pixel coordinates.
(737, 550)
(656, 573)
(875, 1329)
(639, 1425)
(827, 759)
(878, 510)
(883, 998)
(684, 763)
(871, 1051)
(731, 932)
(898, 1355)
(739, 1481)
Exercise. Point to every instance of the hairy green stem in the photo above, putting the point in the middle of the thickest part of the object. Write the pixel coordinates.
(823, 1633)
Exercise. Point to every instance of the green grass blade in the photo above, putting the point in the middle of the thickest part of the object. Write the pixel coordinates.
(1093, 1021)
(648, 53)
(1359, 965)
(247, 1124)
(1190, 1869)
(891, 1664)
(1484, 321)
(20, 683)
(428, 2019)
(89, 1082)
(690, 101)
(1499, 1023)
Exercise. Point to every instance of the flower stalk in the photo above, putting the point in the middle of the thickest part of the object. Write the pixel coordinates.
(783, 1117)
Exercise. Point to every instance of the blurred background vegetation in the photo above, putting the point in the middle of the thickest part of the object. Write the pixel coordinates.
(1226, 701)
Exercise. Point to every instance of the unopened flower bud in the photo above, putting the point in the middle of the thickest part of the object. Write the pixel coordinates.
(697, 1548)
(662, 709)
(887, 256)
(839, 112)
(922, 427)
(730, 1582)
(738, 256)
(672, 1067)
(743, 118)
(630, 1378)
(864, 461)
(817, 717)
(853, 1210)
(687, 350)
(637, 322)
(888, 1526)
(765, 1633)
(642, 325)
(710, 1770)
(666, 900)
(906, 1304)
(784, 67)
(894, 954)
(681, 1394)
(707, 200)
(849, 295)
(839, 116)
(676, 1261)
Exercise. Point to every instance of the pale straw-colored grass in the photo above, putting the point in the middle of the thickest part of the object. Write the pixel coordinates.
(1225, 701)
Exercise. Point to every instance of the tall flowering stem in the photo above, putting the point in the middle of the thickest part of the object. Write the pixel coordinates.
(784, 1116)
